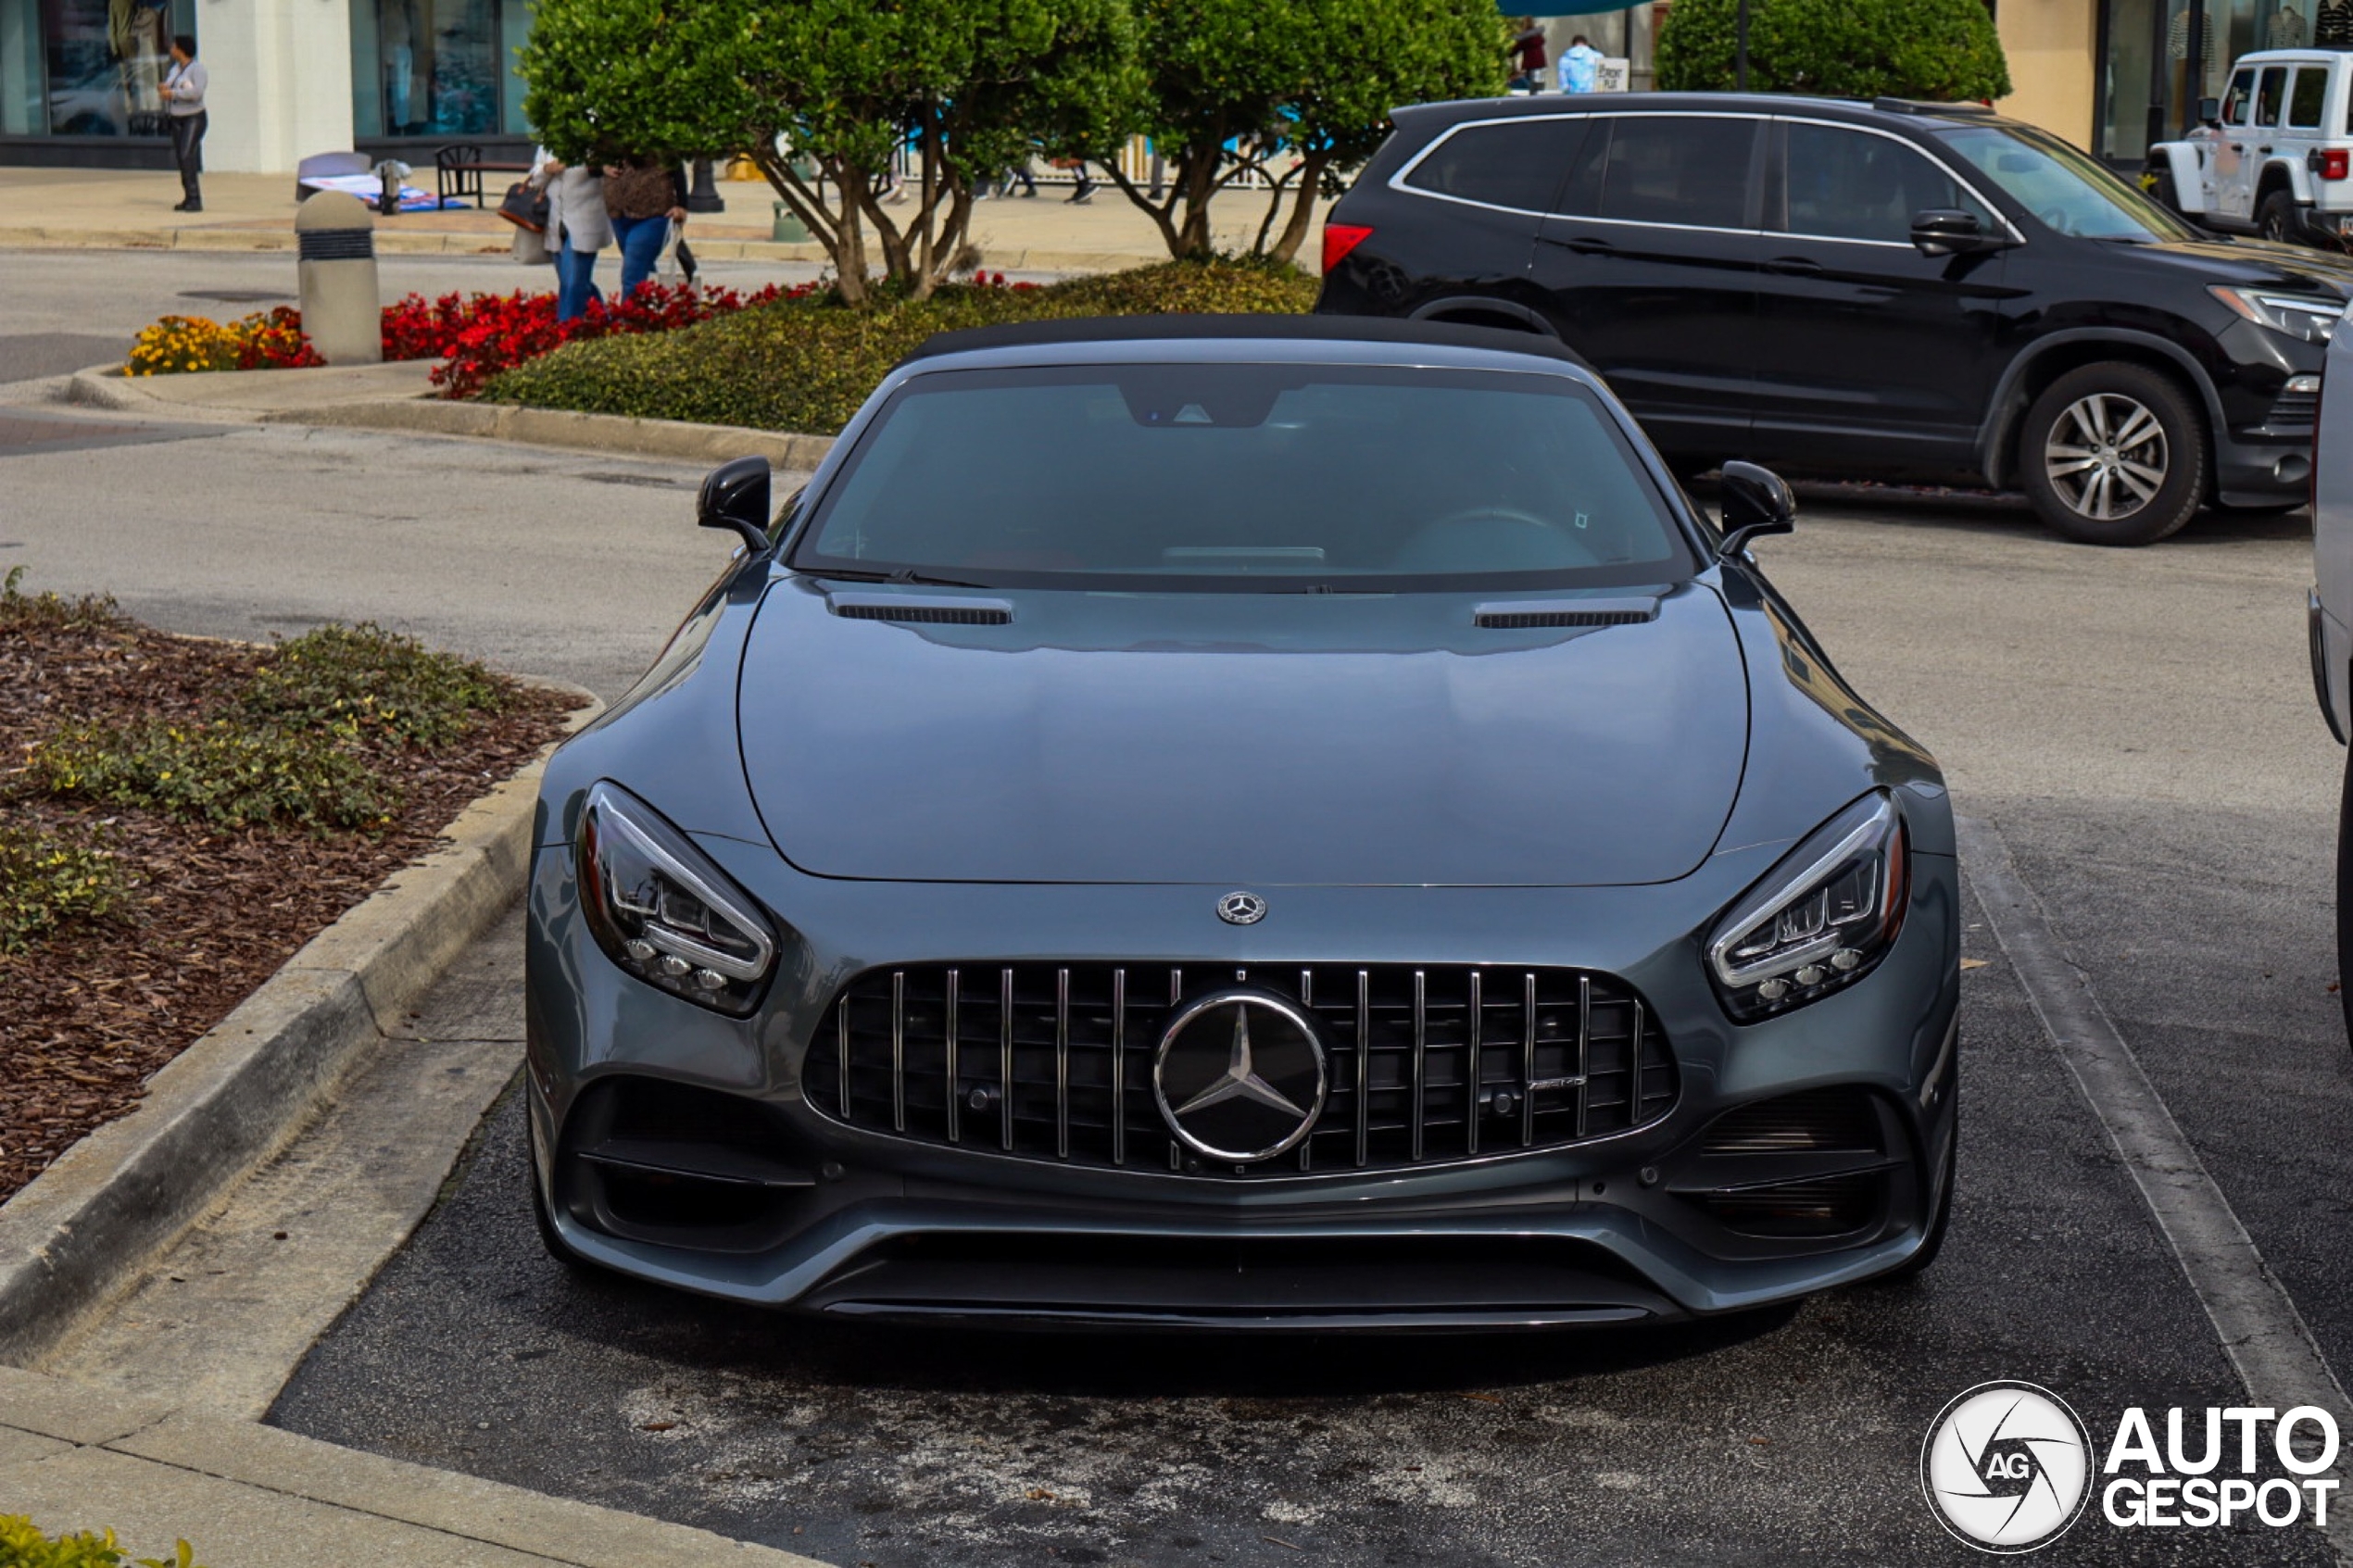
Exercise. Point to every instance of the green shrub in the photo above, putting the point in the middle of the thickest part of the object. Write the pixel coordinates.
(232, 772)
(46, 882)
(377, 684)
(805, 365)
(47, 612)
(21, 1546)
(1941, 50)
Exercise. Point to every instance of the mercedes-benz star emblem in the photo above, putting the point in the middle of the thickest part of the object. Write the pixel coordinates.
(1239, 1075)
(1242, 909)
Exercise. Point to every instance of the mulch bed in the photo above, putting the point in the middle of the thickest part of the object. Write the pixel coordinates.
(95, 1007)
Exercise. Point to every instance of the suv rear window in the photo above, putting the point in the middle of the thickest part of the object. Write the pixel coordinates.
(1515, 164)
(1690, 171)
(2306, 98)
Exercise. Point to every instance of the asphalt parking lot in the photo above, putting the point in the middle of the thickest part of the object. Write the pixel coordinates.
(2137, 730)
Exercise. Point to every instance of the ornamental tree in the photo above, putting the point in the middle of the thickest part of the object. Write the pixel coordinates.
(1946, 51)
(1296, 90)
(821, 94)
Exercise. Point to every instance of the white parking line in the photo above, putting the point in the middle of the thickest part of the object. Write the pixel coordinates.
(2262, 1331)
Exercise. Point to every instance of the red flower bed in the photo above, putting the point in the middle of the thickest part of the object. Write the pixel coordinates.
(483, 335)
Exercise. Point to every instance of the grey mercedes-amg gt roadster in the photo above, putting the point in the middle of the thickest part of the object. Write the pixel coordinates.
(1243, 823)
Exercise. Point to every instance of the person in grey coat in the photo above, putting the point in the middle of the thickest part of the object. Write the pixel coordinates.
(577, 229)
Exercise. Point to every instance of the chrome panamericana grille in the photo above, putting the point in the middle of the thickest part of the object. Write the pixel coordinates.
(1056, 1061)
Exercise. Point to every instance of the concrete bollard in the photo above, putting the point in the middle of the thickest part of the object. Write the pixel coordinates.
(341, 311)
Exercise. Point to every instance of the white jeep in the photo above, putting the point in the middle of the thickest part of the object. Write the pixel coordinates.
(2273, 157)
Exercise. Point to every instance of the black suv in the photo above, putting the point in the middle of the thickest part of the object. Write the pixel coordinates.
(1897, 289)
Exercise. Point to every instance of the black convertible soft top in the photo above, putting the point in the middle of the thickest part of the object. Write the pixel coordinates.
(1310, 329)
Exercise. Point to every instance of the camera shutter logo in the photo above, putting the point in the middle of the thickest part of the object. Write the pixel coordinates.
(2007, 1467)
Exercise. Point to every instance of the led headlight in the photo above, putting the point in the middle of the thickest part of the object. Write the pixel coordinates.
(2300, 316)
(1819, 921)
(662, 911)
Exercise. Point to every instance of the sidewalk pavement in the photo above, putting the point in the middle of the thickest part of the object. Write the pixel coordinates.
(245, 1496)
(109, 208)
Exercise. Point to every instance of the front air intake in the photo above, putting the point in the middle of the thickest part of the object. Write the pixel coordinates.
(927, 614)
(1523, 615)
(1518, 621)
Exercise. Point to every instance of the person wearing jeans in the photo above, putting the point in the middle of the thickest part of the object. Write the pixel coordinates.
(577, 230)
(643, 197)
(182, 92)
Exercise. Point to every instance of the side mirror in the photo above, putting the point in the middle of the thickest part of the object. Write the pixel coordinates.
(1756, 501)
(2210, 111)
(734, 495)
(1945, 231)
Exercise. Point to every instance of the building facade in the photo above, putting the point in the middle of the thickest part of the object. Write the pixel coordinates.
(401, 77)
(289, 78)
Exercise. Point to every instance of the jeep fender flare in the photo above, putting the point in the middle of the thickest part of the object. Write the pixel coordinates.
(1997, 437)
(2287, 171)
(2180, 160)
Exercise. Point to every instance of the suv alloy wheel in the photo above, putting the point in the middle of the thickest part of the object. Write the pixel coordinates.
(2113, 454)
(2278, 221)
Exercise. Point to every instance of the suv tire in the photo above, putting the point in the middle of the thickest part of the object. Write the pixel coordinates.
(2114, 454)
(2278, 220)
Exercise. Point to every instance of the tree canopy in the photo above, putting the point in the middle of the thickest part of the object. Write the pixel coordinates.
(1298, 91)
(1946, 51)
(822, 94)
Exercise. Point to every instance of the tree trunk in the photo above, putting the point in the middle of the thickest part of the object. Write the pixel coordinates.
(1302, 212)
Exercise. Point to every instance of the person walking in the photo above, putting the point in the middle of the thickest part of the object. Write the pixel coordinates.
(577, 229)
(1528, 53)
(643, 197)
(183, 91)
(1580, 66)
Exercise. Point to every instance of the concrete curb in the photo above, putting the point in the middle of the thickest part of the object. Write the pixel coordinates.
(391, 241)
(77, 1457)
(80, 1232)
(559, 427)
(100, 387)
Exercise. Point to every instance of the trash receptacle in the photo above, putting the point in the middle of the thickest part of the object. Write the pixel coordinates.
(342, 314)
(789, 230)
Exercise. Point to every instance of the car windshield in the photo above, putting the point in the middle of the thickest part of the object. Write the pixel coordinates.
(2067, 189)
(1259, 477)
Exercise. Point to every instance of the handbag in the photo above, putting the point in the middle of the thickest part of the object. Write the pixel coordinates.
(530, 247)
(524, 208)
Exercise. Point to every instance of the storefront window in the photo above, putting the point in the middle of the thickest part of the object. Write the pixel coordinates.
(2150, 84)
(437, 67)
(86, 67)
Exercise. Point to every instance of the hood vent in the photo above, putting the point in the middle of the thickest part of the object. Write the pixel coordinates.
(924, 612)
(1522, 615)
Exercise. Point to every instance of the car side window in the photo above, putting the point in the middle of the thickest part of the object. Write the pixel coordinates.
(2306, 100)
(1852, 185)
(2242, 94)
(2268, 93)
(1517, 164)
(1691, 171)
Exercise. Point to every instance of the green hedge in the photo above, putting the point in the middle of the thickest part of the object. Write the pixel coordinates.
(1943, 50)
(806, 364)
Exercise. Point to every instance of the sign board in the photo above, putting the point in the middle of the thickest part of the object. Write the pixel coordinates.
(1614, 74)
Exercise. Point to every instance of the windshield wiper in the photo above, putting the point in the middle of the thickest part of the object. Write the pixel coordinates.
(904, 574)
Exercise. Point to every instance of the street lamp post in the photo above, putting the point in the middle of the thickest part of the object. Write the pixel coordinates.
(705, 195)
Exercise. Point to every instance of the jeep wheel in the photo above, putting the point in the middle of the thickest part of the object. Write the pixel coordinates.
(2279, 221)
(2114, 454)
(2160, 185)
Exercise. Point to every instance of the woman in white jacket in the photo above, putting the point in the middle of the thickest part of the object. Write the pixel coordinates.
(577, 229)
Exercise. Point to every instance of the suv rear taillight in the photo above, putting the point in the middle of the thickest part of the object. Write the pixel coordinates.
(1339, 239)
(2330, 163)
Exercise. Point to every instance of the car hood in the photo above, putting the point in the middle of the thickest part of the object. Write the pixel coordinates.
(2253, 262)
(1246, 740)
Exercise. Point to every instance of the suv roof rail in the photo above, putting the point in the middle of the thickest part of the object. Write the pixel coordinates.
(1922, 105)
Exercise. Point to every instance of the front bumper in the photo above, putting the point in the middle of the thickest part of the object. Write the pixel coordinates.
(856, 1223)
